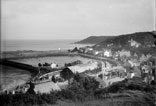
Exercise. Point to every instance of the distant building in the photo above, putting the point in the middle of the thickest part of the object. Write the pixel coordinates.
(96, 53)
(143, 58)
(107, 53)
(89, 50)
(134, 62)
(83, 67)
(134, 43)
(109, 45)
(124, 53)
(82, 50)
(130, 75)
(53, 65)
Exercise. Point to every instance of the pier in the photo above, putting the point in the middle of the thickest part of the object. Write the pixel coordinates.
(30, 68)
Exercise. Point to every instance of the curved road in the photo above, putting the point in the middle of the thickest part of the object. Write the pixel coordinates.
(114, 62)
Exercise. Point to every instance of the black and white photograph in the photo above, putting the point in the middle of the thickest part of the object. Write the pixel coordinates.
(78, 52)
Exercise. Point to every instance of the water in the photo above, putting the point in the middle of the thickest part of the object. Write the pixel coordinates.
(39, 45)
(12, 77)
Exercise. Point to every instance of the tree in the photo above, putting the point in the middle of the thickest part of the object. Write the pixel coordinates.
(67, 74)
(68, 50)
(31, 89)
(88, 83)
(39, 64)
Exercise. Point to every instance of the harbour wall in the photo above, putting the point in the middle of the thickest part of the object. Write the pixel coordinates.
(30, 68)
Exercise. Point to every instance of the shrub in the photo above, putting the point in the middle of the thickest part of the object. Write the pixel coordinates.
(27, 99)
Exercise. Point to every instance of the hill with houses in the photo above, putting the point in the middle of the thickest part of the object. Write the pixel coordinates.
(140, 42)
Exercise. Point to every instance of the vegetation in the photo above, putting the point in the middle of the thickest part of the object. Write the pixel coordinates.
(82, 88)
(145, 39)
(131, 84)
(94, 71)
(66, 74)
(27, 99)
(94, 39)
(73, 63)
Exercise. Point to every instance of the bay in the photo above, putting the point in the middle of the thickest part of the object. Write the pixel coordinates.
(39, 45)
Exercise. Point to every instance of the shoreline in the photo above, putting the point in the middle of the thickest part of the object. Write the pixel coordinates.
(38, 54)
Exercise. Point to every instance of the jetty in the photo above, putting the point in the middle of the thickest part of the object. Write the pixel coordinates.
(30, 68)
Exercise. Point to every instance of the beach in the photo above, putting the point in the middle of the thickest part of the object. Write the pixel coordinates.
(12, 77)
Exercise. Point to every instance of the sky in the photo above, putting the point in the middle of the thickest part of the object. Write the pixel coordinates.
(74, 19)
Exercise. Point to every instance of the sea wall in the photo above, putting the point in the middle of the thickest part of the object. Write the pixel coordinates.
(30, 68)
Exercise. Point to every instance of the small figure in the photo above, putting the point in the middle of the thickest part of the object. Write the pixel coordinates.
(53, 79)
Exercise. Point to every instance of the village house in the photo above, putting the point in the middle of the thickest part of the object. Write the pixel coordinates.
(98, 53)
(148, 70)
(124, 53)
(83, 67)
(134, 43)
(134, 62)
(107, 53)
(53, 65)
(108, 45)
(81, 50)
(68, 72)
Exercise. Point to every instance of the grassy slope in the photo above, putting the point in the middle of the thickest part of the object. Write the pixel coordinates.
(126, 98)
(142, 37)
(94, 39)
(121, 42)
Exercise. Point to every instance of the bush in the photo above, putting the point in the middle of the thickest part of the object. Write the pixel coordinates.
(27, 99)
(82, 88)
(133, 84)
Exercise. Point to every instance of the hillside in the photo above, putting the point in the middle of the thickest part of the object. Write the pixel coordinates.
(94, 39)
(136, 42)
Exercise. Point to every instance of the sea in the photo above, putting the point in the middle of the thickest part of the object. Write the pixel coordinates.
(11, 77)
(39, 45)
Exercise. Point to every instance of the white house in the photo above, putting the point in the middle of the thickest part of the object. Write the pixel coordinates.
(88, 49)
(53, 65)
(96, 53)
(130, 75)
(107, 53)
(83, 67)
(134, 43)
